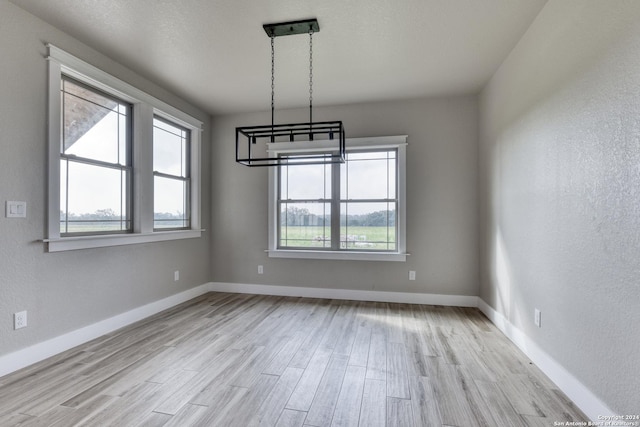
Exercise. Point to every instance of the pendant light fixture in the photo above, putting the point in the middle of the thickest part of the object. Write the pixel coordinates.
(291, 144)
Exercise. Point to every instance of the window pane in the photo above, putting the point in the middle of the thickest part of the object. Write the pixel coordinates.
(305, 182)
(170, 149)
(123, 138)
(305, 225)
(170, 203)
(368, 226)
(93, 199)
(63, 196)
(94, 125)
(369, 176)
(368, 155)
(171, 157)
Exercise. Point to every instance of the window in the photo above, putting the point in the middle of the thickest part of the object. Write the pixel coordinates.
(304, 206)
(111, 146)
(95, 161)
(353, 210)
(368, 200)
(171, 175)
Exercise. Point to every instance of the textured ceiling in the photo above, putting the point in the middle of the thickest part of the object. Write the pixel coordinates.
(215, 53)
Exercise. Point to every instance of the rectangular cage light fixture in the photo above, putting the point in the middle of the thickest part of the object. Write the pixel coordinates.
(300, 136)
(306, 143)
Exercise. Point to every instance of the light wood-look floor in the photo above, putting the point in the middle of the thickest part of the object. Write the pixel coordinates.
(240, 360)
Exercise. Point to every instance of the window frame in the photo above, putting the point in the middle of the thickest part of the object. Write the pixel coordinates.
(71, 158)
(353, 144)
(144, 108)
(185, 179)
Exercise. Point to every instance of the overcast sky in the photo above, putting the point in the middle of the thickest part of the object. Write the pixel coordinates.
(94, 188)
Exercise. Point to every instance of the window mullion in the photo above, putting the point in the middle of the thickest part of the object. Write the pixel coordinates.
(143, 168)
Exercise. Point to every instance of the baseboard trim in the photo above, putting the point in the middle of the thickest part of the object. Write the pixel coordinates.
(347, 294)
(581, 396)
(27, 356)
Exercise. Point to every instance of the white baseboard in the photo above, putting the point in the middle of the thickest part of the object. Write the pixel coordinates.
(27, 356)
(347, 294)
(581, 396)
(589, 403)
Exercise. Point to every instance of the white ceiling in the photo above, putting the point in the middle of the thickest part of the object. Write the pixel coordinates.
(215, 54)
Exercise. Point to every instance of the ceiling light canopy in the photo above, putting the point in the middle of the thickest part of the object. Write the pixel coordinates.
(297, 143)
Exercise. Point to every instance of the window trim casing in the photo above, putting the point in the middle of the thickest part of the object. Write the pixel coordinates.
(144, 107)
(399, 142)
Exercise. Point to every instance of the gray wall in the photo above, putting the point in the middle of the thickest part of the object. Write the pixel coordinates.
(559, 198)
(560, 191)
(441, 201)
(66, 291)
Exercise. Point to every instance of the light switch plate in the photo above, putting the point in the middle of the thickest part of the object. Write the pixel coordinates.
(15, 209)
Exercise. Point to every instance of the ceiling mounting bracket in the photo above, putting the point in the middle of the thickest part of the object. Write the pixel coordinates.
(293, 27)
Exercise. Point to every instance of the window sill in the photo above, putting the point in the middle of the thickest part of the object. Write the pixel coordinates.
(86, 242)
(338, 255)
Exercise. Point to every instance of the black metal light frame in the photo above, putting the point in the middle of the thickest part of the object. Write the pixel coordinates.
(293, 132)
(299, 133)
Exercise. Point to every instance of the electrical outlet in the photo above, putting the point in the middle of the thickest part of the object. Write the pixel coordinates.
(537, 318)
(176, 275)
(20, 320)
(260, 269)
(412, 275)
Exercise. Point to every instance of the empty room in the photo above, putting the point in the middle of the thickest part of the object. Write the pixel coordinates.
(296, 213)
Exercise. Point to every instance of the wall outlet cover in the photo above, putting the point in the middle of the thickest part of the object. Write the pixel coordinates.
(20, 320)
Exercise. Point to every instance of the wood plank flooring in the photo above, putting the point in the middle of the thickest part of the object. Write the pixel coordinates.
(247, 360)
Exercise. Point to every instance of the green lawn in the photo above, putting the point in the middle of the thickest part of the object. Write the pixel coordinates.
(112, 226)
(91, 227)
(365, 238)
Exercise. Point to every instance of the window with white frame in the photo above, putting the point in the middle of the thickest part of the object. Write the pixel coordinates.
(352, 210)
(171, 180)
(112, 146)
(95, 161)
